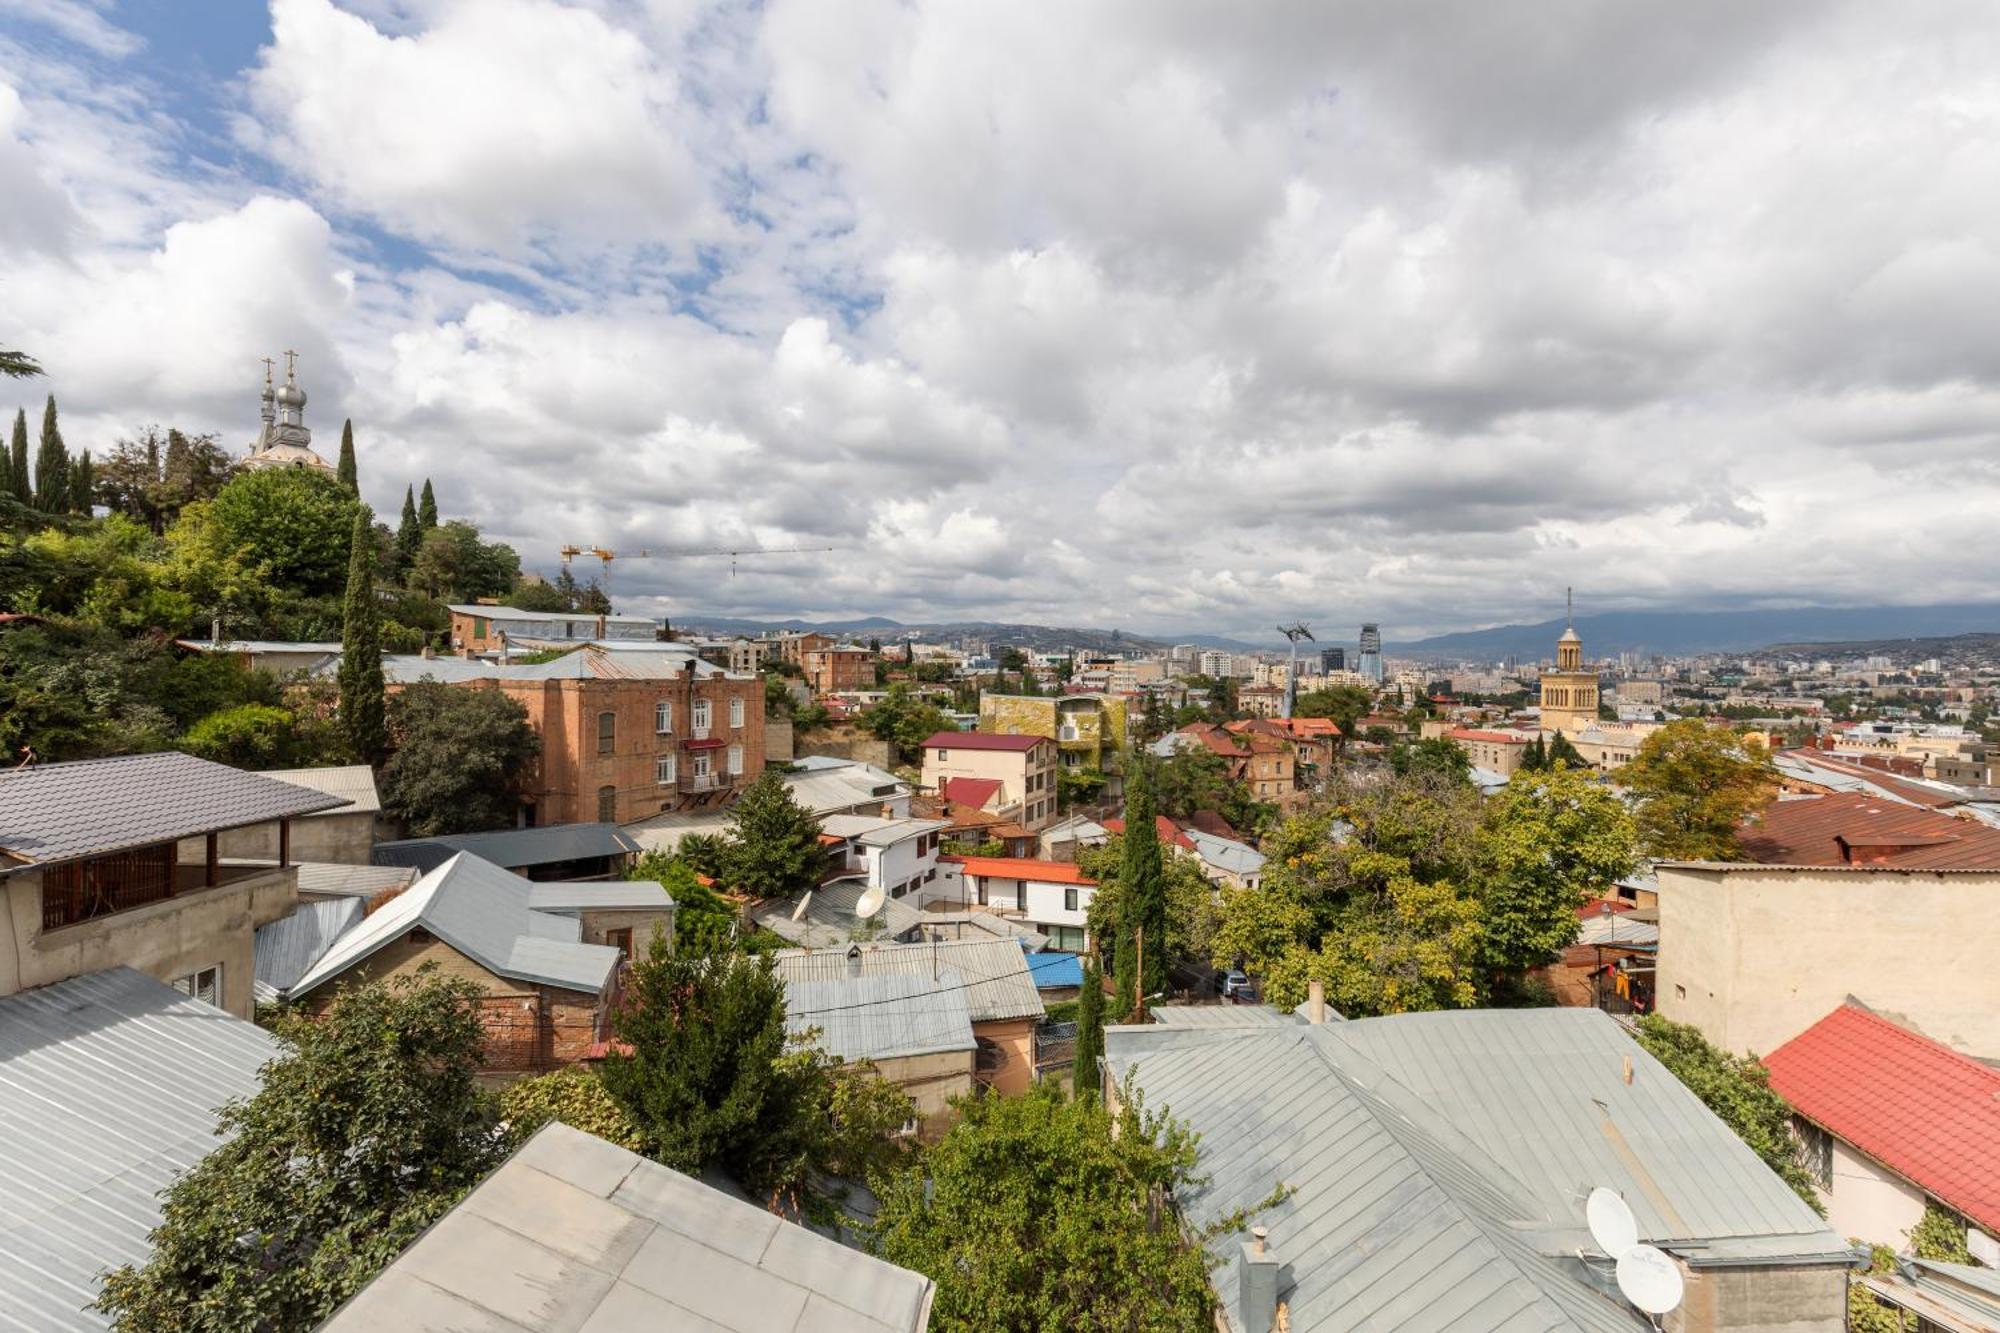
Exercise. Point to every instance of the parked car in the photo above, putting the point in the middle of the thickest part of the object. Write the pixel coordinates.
(1237, 986)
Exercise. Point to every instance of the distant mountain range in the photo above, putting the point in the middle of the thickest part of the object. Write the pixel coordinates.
(1037, 638)
(1682, 633)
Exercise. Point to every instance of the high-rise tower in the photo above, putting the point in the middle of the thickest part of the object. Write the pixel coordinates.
(1369, 661)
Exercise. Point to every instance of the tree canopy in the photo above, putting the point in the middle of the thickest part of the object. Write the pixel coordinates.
(363, 700)
(773, 849)
(458, 758)
(1547, 844)
(906, 722)
(1695, 785)
(293, 525)
(702, 919)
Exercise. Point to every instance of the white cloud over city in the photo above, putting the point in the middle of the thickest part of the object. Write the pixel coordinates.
(1157, 316)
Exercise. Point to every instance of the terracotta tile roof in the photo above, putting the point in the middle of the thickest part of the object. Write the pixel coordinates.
(1215, 738)
(1210, 821)
(1852, 828)
(980, 740)
(1913, 1104)
(1169, 831)
(972, 792)
(1020, 867)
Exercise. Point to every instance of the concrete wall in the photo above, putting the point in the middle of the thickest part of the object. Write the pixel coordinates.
(1755, 956)
(1045, 904)
(1015, 1039)
(643, 925)
(197, 928)
(777, 738)
(930, 1080)
(340, 837)
(1761, 1300)
(1869, 1201)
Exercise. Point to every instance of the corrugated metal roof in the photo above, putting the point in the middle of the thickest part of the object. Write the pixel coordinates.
(510, 847)
(573, 1232)
(1542, 1092)
(257, 646)
(997, 981)
(364, 882)
(1225, 854)
(288, 946)
(1855, 827)
(353, 782)
(91, 807)
(987, 925)
(482, 911)
(109, 1084)
(829, 919)
(616, 895)
(409, 668)
(883, 1016)
(1220, 1016)
(1617, 929)
(515, 614)
(874, 831)
(595, 663)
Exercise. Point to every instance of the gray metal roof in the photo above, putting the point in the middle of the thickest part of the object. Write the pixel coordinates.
(615, 895)
(481, 911)
(1618, 928)
(288, 946)
(354, 782)
(408, 668)
(980, 925)
(514, 614)
(996, 979)
(576, 1233)
(109, 1084)
(510, 847)
(829, 920)
(364, 882)
(62, 812)
(1225, 854)
(1542, 1091)
(875, 831)
(1220, 1016)
(883, 1016)
(859, 787)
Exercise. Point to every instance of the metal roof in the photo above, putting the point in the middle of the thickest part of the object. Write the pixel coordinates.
(408, 668)
(996, 977)
(1853, 828)
(882, 1016)
(573, 1232)
(595, 663)
(875, 831)
(109, 1084)
(990, 925)
(355, 782)
(91, 807)
(1220, 1016)
(515, 613)
(288, 946)
(1542, 1092)
(829, 921)
(510, 847)
(826, 791)
(1617, 928)
(257, 646)
(329, 878)
(616, 895)
(481, 911)
(1225, 854)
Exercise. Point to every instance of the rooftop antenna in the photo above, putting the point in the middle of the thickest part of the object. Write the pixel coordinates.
(1294, 632)
(1569, 607)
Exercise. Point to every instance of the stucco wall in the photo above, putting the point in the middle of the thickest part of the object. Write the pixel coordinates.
(196, 929)
(1762, 1300)
(1016, 1040)
(1753, 957)
(930, 1080)
(1870, 1202)
(643, 925)
(340, 838)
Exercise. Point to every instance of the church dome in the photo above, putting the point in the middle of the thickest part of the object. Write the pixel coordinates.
(1570, 636)
(291, 395)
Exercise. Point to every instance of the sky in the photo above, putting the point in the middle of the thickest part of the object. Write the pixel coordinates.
(1161, 316)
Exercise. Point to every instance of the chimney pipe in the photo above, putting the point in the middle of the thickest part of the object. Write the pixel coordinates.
(1257, 1286)
(854, 960)
(1315, 1006)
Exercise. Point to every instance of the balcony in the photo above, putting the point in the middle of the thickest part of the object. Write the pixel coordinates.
(704, 782)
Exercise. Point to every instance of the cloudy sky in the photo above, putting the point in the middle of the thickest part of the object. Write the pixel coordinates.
(1153, 315)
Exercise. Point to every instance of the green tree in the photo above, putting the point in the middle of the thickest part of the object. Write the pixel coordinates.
(82, 484)
(1194, 778)
(1084, 1075)
(293, 524)
(367, 1128)
(1562, 752)
(1142, 885)
(703, 920)
(1695, 785)
(1437, 755)
(18, 477)
(457, 760)
(427, 508)
(1738, 1089)
(774, 848)
(905, 721)
(1342, 703)
(363, 695)
(17, 365)
(577, 1097)
(348, 475)
(253, 736)
(52, 488)
(454, 564)
(1549, 843)
(1535, 755)
(1021, 1179)
(409, 533)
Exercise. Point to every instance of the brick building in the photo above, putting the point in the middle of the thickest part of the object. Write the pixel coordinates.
(832, 670)
(478, 628)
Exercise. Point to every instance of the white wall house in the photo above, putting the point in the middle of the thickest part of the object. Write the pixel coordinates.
(1052, 897)
(897, 855)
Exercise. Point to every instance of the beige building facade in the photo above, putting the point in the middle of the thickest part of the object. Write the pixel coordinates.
(1024, 766)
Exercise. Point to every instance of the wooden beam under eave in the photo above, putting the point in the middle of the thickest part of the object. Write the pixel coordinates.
(211, 873)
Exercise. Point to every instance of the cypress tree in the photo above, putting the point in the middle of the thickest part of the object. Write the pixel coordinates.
(409, 532)
(6, 470)
(1084, 1079)
(82, 484)
(363, 708)
(18, 476)
(52, 465)
(427, 508)
(349, 476)
(1142, 887)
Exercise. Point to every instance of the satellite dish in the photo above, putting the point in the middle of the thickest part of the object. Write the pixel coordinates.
(1612, 1225)
(869, 903)
(1649, 1279)
(799, 912)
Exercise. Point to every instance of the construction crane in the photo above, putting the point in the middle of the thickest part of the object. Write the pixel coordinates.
(1294, 632)
(606, 555)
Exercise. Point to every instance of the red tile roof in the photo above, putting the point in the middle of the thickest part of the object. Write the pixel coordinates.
(1853, 828)
(1020, 867)
(980, 740)
(975, 792)
(1169, 831)
(1210, 821)
(1913, 1104)
(1215, 738)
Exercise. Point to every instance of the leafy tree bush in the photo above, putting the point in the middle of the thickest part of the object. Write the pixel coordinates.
(1195, 778)
(1342, 703)
(1041, 1212)
(1434, 756)
(458, 758)
(254, 736)
(1939, 1236)
(773, 848)
(1738, 1089)
(906, 722)
(455, 565)
(577, 1097)
(1695, 785)
(703, 921)
(366, 1130)
(292, 524)
(1549, 843)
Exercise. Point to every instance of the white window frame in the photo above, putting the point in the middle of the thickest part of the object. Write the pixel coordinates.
(735, 761)
(736, 712)
(191, 985)
(663, 717)
(704, 713)
(702, 767)
(665, 770)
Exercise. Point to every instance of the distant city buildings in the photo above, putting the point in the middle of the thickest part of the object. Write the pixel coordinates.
(1369, 662)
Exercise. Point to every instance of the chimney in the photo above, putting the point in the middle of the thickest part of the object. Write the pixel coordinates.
(427, 652)
(1257, 1286)
(854, 960)
(888, 811)
(1316, 1002)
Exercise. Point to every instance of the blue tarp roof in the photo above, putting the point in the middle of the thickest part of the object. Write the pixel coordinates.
(1054, 969)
